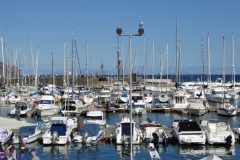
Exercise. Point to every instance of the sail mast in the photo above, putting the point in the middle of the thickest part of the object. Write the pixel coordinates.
(209, 71)
(233, 67)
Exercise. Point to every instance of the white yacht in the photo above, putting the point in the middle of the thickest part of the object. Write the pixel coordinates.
(189, 132)
(122, 132)
(90, 134)
(138, 103)
(59, 133)
(3, 96)
(218, 94)
(5, 135)
(163, 97)
(27, 134)
(196, 107)
(226, 109)
(72, 107)
(218, 132)
(95, 116)
(13, 98)
(123, 98)
(21, 110)
(47, 106)
(153, 132)
(105, 96)
(179, 100)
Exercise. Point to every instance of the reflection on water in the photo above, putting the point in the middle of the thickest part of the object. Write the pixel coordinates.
(115, 152)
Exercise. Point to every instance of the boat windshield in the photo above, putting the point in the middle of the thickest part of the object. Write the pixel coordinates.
(69, 108)
(138, 106)
(46, 101)
(94, 117)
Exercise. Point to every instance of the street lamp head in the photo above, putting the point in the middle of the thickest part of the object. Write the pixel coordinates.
(140, 31)
(119, 31)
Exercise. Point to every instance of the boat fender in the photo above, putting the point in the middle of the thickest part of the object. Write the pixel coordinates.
(102, 137)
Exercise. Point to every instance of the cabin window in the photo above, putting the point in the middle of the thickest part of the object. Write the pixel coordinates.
(46, 101)
(94, 117)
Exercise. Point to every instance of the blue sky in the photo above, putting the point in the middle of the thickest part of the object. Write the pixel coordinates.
(50, 23)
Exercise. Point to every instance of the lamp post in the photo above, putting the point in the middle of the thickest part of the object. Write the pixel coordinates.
(140, 32)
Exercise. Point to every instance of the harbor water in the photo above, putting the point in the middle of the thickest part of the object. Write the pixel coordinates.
(109, 150)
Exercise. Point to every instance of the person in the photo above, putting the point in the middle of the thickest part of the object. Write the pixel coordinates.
(34, 156)
(22, 157)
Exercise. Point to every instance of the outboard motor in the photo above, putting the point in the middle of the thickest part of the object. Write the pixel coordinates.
(20, 138)
(228, 139)
(17, 112)
(54, 137)
(85, 136)
(155, 138)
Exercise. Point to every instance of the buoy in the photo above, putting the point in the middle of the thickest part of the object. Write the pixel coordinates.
(102, 137)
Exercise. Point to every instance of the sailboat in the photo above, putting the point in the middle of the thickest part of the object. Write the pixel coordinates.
(234, 89)
(225, 109)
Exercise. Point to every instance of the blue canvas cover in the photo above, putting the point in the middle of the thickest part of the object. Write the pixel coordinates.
(60, 128)
(91, 128)
(26, 131)
(126, 129)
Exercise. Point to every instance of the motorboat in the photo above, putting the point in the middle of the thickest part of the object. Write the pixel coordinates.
(3, 96)
(211, 157)
(21, 109)
(72, 107)
(105, 96)
(189, 132)
(95, 116)
(47, 106)
(122, 132)
(13, 98)
(123, 98)
(90, 134)
(88, 97)
(59, 133)
(138, 103)
(196, 107)
(5, 135)
(153, 132)
(226, 109)
(218, 94)
(218, 132)
(153, 152)
(179, 100)
(163, 97)
(26, 134)
(148, 97)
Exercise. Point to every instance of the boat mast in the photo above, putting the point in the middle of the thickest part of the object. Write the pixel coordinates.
(153, 63)
(223, 70)
(233, 65)
(52, 73)
(72, 64)
(118, 59)
(64, 65)
(208, 49)
(87, 62)
(92, 62)
(144, 52)
(3, 73)
(177, 53)
(202, 60)
(167, 62)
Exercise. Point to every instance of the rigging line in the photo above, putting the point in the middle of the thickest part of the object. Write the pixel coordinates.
(79, 66)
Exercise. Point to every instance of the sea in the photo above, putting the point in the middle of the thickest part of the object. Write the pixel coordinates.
(111, 151)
